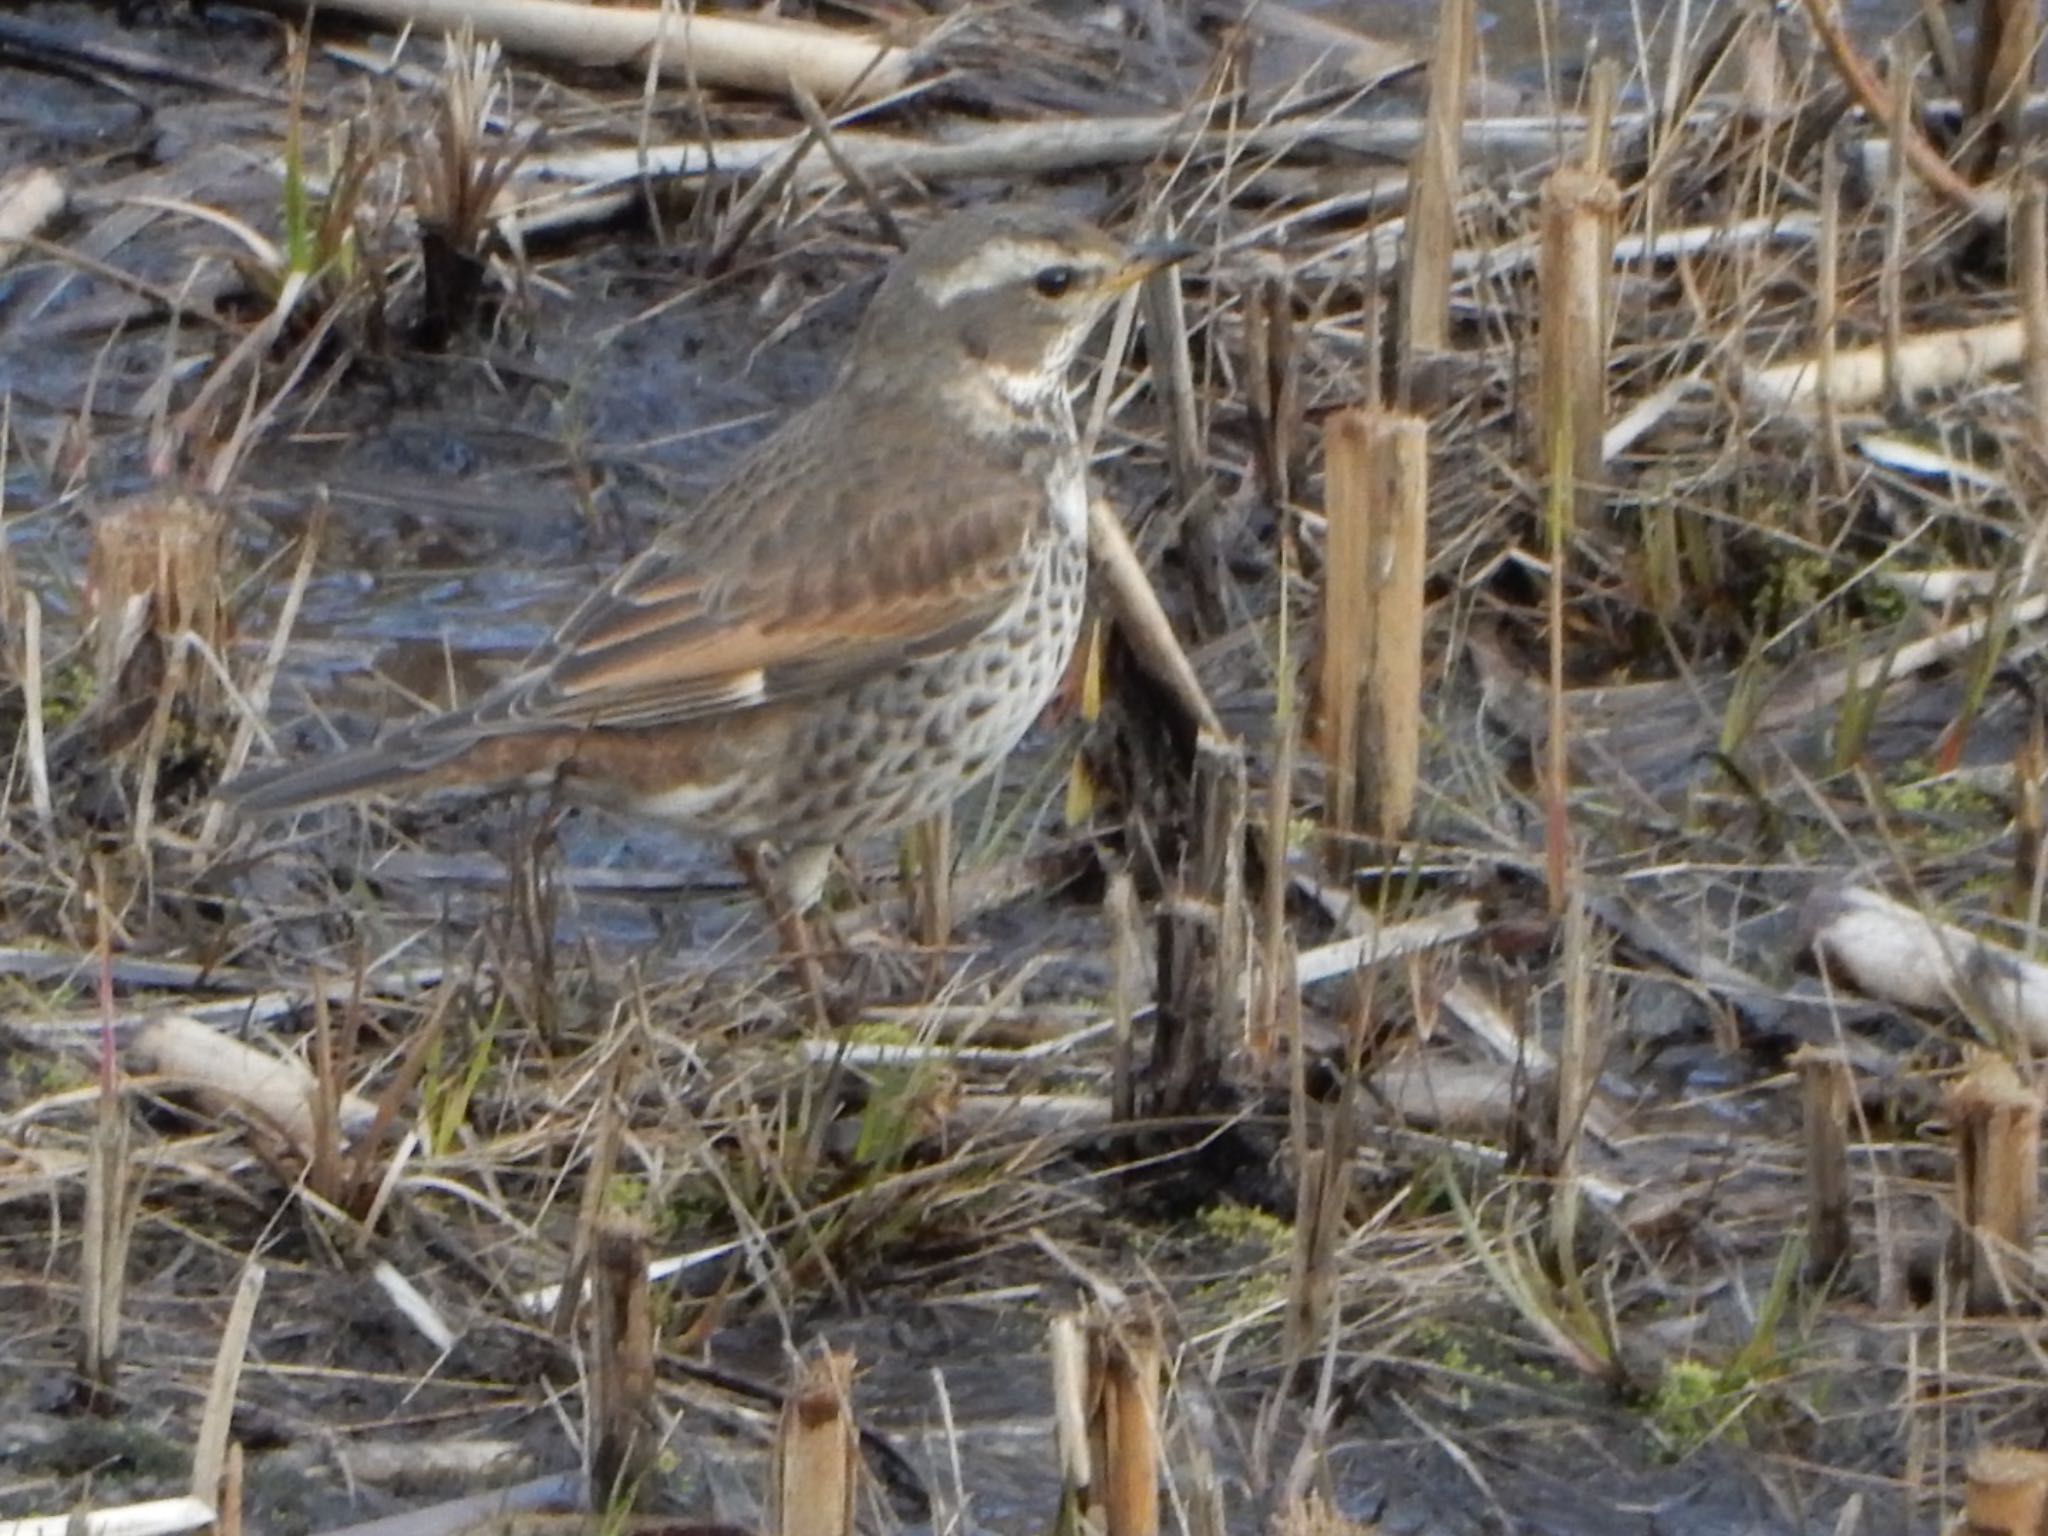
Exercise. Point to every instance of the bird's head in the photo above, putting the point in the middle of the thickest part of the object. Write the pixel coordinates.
(1008, 293)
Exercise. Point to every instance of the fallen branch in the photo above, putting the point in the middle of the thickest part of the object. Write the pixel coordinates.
(1941, 360)
(278, 1091)
(709, 50)
(1894, 952)
(605, 181)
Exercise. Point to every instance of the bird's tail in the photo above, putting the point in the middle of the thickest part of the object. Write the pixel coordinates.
(435, 752)
(298, 786)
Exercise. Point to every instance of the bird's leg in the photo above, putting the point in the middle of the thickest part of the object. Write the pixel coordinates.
(788, 894)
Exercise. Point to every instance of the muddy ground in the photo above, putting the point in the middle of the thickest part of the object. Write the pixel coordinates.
(612, 1014)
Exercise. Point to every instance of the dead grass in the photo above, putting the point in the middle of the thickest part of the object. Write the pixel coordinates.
(1777, 631)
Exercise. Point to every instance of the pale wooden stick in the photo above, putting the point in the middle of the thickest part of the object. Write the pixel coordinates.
(731, 51)
(1059, 144)
(1940, 360)
(154, 1517)
(1142, 619)
(278, 1091)
(1889, 950)
(28, 201)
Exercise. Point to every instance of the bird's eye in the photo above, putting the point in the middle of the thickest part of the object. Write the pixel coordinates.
(1054, 281)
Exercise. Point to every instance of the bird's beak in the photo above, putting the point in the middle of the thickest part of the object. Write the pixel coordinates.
(1142, 260)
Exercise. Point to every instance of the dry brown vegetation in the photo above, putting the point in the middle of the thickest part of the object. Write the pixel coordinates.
(1584, 1067)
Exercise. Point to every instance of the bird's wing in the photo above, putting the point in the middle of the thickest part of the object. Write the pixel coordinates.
(790, 579)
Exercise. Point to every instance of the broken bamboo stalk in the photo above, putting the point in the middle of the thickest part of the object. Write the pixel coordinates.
(1430, 234)
(817, 1451)
(2006, 1492)
(1578, 213)
(1824, 1089)
(1377, 506)
(623, 1439)
(1997, 1122)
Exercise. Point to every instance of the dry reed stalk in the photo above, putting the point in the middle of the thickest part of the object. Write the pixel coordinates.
(828, 140)
(1203, 942)
(597, 1183)
(1278, 975)
(1430, 234)
(457, 171)
(1766, 94)
(2030, 278)
(1126, 1429)
(622, 1380)
(1274, 372)
(1376, 504)
(684, 45)
(2029, 886)
(1322, 1197)
(255, 703)
(411, 1303)
(1997, 1121)
(1825, 1086)
(1106, 1374)
(1827, 283)
(1120, 907)
(1578, 209)
(1922, 157)
(817, 1452)
(1579, 1054)
(1141, 618)
(1578, 213)
(28, 200)
(154, 572)
(1891, 275)
(1087, 679)
(2006, 1492)
(35, 745)
(1173, 379)
(2001, 75)
(160, 626)
(1940, 40)
(1067, 1353)
(112, 1202)
(931, 853)
(1309, 1282)
(1577, 1073)
(211, 1452)
(1603, 89)
(229, 1521)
